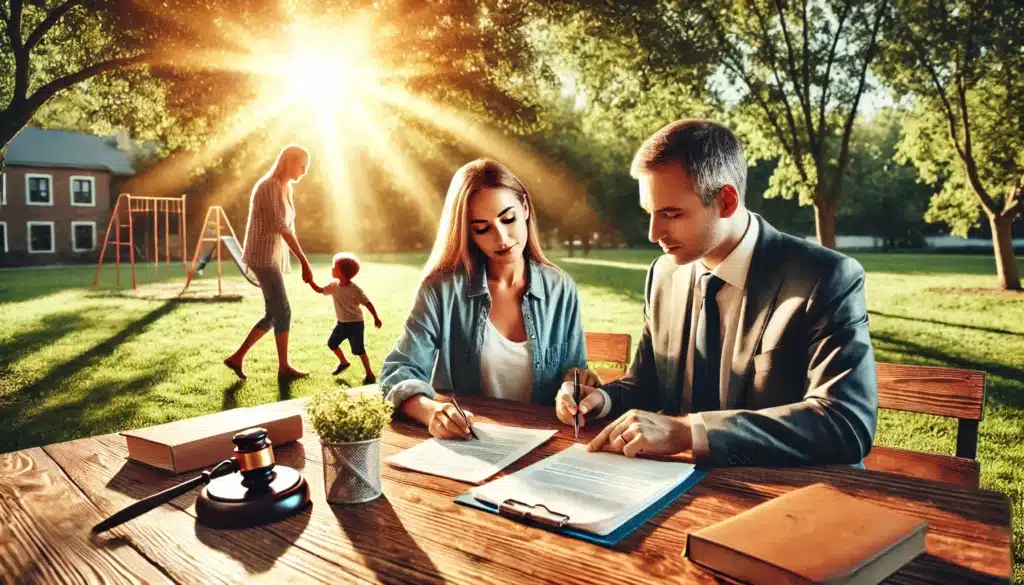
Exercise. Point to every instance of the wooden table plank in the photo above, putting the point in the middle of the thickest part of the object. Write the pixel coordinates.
(415, 533)
(969, 535)
(44, 534)
(170, 536)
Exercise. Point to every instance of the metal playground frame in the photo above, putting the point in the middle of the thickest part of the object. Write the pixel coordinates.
(132, 205)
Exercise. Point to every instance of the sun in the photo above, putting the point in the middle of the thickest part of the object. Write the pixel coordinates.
(326, 77)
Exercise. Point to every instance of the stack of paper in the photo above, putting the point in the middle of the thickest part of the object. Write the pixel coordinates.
(598, 492)
(474, 460)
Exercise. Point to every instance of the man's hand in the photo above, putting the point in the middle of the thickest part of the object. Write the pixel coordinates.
(639, 431)
(377, 323)
(590, 399)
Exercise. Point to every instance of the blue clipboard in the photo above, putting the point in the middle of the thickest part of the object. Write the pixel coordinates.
(611, 539)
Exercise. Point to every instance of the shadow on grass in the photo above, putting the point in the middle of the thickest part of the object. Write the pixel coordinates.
(106, 407)
(167, 298)
(51, 329)
(946, 324)
(230, 399)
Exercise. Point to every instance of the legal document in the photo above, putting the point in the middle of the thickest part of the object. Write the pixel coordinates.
(474, 460)
(594, 492)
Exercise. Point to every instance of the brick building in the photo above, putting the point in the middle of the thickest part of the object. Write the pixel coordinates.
(58, 191)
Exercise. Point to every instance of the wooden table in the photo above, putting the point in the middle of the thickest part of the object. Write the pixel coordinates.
(415, 533)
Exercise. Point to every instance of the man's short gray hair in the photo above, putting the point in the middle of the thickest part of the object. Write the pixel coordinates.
(710, 153)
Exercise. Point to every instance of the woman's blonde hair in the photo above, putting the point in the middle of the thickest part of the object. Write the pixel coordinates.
(453, 248)
(288, 153)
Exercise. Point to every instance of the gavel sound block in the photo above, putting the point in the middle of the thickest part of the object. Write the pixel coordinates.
(261, 493)
(246, 490)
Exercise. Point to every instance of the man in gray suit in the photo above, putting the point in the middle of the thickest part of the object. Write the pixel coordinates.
(755, 346)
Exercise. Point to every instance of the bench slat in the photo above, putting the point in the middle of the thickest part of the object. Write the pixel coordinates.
(608, 347)
(940, 391)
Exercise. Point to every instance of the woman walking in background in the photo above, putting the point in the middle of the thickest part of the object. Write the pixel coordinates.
(271, 215)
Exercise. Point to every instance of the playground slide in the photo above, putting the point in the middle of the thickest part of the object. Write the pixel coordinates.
(236, 254)
(234, 250)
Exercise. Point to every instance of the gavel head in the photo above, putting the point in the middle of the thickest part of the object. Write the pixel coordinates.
(255, 455)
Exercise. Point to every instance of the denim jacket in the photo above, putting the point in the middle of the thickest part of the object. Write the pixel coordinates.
(444, 333)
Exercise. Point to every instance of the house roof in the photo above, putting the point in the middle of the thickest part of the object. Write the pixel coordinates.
(37, 147)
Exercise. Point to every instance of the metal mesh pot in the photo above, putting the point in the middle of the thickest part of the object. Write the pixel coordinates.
(352, 471)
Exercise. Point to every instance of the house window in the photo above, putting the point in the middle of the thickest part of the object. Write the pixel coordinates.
(3, 237)
(38, 189)
(83, 191)
(83, 236)
(40, 237)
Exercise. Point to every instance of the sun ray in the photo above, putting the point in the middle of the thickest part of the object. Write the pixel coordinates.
(554, 186)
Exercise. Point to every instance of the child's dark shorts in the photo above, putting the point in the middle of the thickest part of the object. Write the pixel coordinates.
(353, 332)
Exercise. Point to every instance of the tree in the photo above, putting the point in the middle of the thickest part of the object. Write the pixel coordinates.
(790, 74)
(961, 63)
(195, 51)
(49, 46)
(800, 71)
(885, 199)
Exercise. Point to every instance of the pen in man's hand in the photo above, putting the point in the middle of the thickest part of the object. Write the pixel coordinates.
(464, 417)
(576, 398)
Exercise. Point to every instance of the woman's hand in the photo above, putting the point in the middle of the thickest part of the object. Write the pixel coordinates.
(307, 273)
(447, 423)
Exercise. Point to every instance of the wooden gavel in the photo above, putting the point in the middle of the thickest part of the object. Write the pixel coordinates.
(263, 492)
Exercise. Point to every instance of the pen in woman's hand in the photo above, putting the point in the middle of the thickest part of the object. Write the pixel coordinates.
(576, 399)
(464, 417)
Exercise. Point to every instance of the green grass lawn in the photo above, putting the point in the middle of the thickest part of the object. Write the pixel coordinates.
(77, 362)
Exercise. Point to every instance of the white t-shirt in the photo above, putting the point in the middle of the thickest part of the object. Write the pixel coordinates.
(347, 299)
(505, 367)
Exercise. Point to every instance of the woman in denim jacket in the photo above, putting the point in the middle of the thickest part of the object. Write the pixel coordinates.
(493, 316)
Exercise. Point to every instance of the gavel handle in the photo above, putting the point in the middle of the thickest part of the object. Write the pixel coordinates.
(146, 504)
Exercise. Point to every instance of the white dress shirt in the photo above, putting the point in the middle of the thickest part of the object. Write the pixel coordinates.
(733, 270)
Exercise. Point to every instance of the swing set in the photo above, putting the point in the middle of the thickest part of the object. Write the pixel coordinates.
(216, 229)
(125, 210)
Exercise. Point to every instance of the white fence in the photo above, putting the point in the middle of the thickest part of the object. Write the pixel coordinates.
(937, 242)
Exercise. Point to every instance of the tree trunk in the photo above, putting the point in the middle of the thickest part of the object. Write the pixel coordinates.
(1006, 261)
(12, 120)
(825, 222)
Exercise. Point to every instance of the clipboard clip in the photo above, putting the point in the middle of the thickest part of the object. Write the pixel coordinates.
(539, 513)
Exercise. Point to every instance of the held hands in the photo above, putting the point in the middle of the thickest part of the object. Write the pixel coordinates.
(639, 431)
(590, 399)
(447, 423)
(307, 274)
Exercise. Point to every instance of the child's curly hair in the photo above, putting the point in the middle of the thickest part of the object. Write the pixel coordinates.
(347, 264)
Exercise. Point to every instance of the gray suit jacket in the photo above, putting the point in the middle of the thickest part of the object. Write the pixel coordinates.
(802, 388)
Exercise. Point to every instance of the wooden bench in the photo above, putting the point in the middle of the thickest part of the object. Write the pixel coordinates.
(949, 392)
(608, 348)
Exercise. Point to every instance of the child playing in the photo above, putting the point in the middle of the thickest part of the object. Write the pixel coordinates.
(347, 298)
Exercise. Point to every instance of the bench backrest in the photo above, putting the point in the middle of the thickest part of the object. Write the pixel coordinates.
(949, 392)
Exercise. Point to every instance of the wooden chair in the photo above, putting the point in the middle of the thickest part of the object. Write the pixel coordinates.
(608, 348)
(949, 392)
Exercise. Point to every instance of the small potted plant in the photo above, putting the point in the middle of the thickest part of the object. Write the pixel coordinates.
(350, 430)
